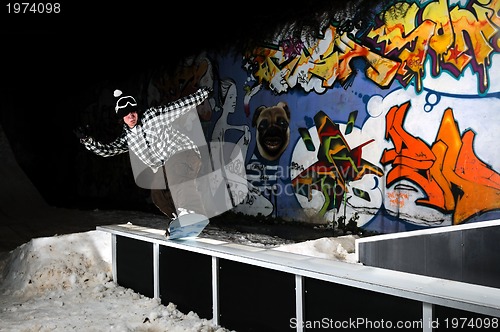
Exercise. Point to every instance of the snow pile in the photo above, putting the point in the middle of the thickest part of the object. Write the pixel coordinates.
(337, 248)
(80, 260)
(64, 283)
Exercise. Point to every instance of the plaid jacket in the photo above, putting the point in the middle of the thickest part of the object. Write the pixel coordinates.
(153, 139)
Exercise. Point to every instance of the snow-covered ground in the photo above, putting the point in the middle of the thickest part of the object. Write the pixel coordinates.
(64, 283)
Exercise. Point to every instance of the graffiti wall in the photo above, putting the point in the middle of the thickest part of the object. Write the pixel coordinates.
(395, 125)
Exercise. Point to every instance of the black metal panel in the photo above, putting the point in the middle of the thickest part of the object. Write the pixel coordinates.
(444, 253)
(330, 306)
(482, 256)
(468, 255)
(450, 319)
(368, 253)
(403, 254)
(134, 265)
(255, 299)
(185, 279)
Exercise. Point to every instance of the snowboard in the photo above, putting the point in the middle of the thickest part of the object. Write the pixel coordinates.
(186, 226)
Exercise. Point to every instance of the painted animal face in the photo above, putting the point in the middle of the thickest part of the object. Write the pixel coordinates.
(273, 130)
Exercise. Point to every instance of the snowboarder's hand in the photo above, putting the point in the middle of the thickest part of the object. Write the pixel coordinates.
(82, 132)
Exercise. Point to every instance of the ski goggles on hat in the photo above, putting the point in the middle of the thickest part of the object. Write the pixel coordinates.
(125, 105)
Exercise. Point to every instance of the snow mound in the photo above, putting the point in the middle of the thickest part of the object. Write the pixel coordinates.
(58, 263)
(64, 283)
(336, 248)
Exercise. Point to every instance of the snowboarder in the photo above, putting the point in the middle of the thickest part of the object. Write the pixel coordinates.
(151, 137)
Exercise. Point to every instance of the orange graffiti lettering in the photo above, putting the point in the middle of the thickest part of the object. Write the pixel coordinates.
(452, 38)
(452, 177)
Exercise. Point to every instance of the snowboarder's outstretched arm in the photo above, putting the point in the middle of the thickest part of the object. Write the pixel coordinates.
(175, 109)
(114, 148)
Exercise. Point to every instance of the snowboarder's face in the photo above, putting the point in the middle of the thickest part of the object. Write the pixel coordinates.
(130, 119)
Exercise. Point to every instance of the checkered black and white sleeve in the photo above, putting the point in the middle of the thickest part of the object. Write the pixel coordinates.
(175, 109)
(114, 148)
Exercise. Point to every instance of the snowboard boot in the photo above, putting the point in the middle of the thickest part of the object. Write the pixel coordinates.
(176, 216)
(167, 230)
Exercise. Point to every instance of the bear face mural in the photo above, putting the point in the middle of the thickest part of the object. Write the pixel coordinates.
(273, 130)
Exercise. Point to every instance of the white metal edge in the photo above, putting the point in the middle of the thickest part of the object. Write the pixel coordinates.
(215, 290)
(427, 317)
(113, 258)
(156, 270)
(434, 230)
(299, 302)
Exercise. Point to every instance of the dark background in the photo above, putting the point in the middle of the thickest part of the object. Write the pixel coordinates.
(53, 65)
(51, 70)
